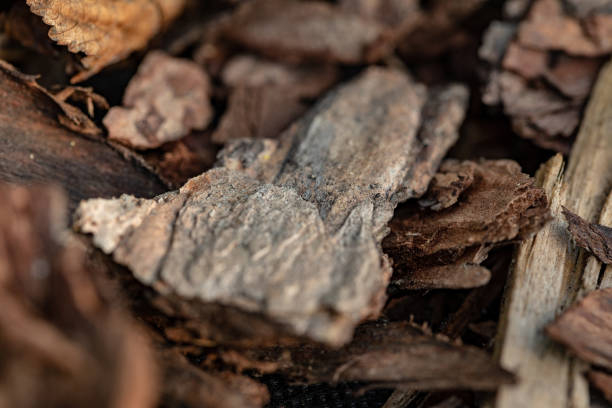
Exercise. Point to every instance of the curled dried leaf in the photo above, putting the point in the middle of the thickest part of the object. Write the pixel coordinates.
(105, 31)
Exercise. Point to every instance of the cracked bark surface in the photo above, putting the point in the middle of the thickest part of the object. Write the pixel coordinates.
(291, 228)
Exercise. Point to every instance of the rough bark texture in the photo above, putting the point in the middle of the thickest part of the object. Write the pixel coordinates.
(34, 147)
(291, 228)
(545, 66)
(487, 203)
(549, 273)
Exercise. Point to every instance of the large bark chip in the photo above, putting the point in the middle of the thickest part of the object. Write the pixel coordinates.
(291, 228)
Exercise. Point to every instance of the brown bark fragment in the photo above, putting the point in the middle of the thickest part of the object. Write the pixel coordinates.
(586, 328)
(34, 147)
(548, 70)
(595, 238)
(187, 386)
(296, 31)
(72, 117)
(385, 354)
(267, 96)
(64, 341)
(105, 31)
(165, 100)
(320, 195)
(603, 381)
(500, 204)
(547, 27)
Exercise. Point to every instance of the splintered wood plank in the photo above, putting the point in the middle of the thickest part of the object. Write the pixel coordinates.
(549, 268)
(291, 228)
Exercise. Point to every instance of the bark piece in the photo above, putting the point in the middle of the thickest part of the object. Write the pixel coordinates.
(451, 180)
(547, 27)
(105, 31)
(64, 341)
(166, 99)
(296, 31)
(177, 162)
(320, 195)
(548, 70)
(603, 381)
(267, 96)
(401, 16)
(187, 386)
(586, 328)
(597, 239)
(34, 147)
(387, 355)
(500, 204)
(439, 29)
(549, 271)
(71, 116)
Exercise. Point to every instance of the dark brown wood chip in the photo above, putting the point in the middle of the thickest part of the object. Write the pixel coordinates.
(487, 203)
(603, 381)
(595, 238)
(383, 354)
(34, 147)
(586, 328)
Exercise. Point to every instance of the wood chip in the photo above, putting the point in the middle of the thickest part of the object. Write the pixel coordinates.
(297, 31)
(543, 77)
(549, 273)
(266, 96)
(36, 148)
(443, 248)
(385, 354)
(187, 386)
(105, 31)
(603, 381)
(63, 338)
(166, 99)
(586, 328)
(548, 27)
(595, 238)
(277, 208)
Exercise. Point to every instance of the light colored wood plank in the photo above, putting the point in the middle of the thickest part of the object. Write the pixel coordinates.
(548, 272)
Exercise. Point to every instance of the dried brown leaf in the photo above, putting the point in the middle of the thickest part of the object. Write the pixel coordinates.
(106, 31)
(595, 238)
(166, 99)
